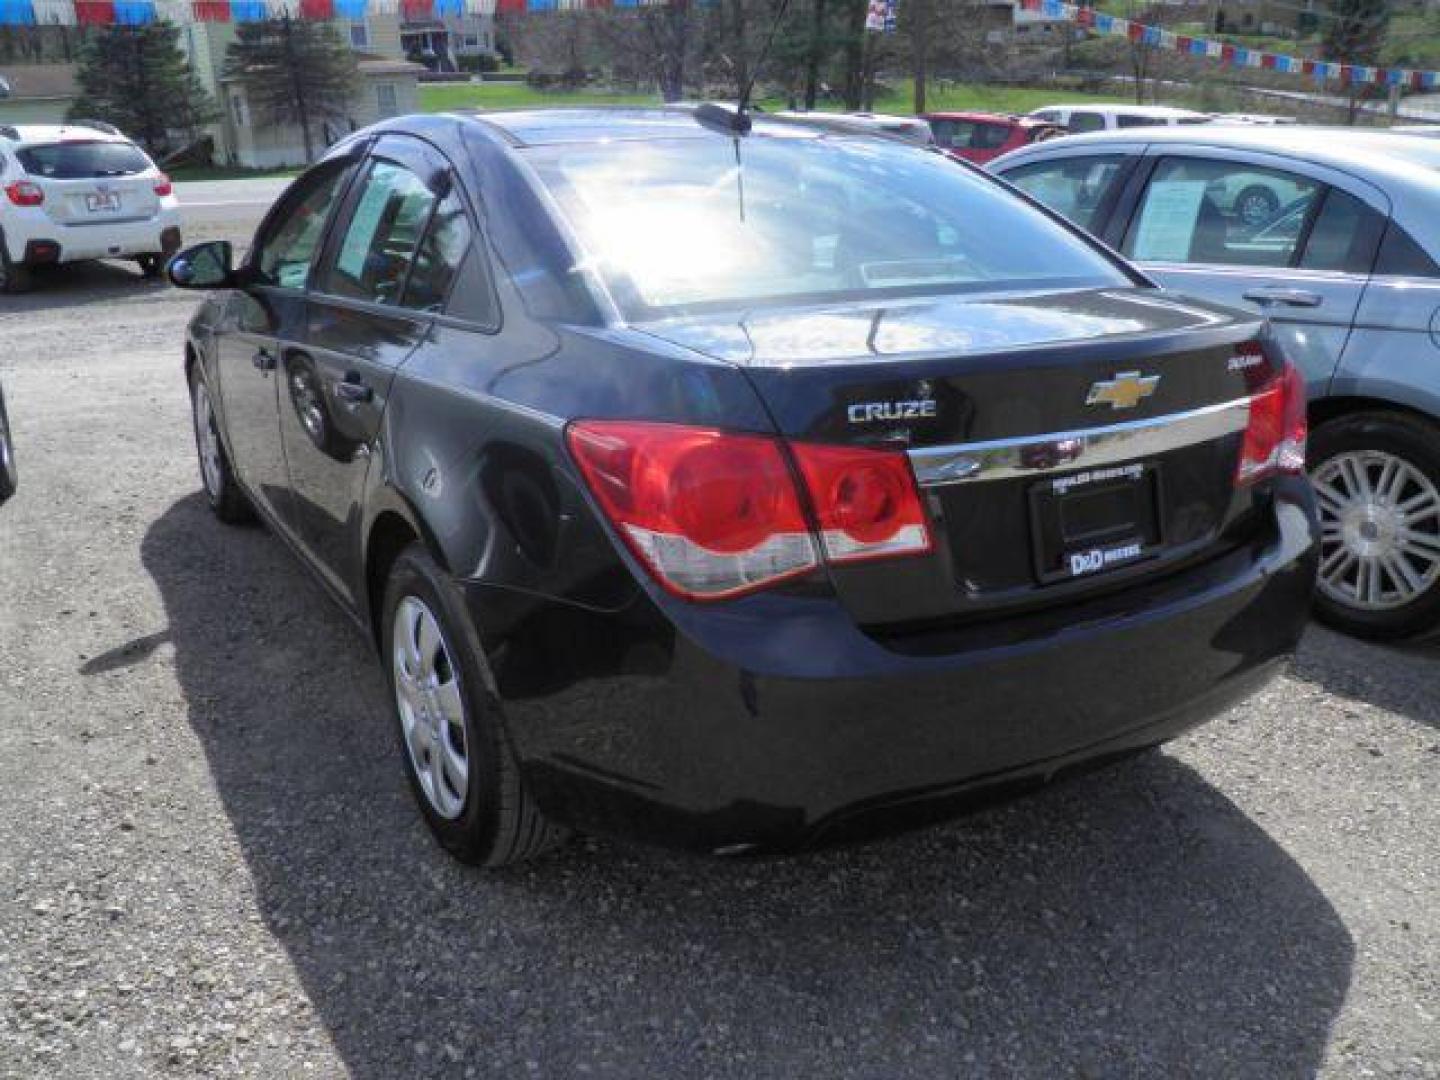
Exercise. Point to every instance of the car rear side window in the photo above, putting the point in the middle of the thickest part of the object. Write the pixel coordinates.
(83, 160)
(1086, 121)
(382, 237)
(447, 252)
(1074, 187)
(1344, 235)
(1401, 256)
(1223, 213)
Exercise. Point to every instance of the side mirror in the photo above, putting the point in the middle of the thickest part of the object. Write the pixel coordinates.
(204, 266)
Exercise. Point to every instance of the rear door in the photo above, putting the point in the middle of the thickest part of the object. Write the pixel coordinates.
(1193, 228)
(386, 272)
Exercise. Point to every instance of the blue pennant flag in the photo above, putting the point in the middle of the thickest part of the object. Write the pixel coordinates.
(351, 9)
(248, 11)
(134, 12)
(17, 13)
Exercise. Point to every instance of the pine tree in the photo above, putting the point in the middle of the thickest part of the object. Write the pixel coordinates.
(136, 78)
(294, 72)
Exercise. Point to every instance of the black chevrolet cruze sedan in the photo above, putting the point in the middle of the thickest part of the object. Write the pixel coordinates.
(737, 489)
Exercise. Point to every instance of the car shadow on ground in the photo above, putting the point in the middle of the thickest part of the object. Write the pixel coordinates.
(1129, 923)
(79, 285)
(1397, 678)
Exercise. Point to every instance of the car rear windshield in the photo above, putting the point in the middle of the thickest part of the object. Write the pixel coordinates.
(675, 225)
(83, 160)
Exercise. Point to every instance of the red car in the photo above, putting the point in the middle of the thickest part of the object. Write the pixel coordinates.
(978, 137)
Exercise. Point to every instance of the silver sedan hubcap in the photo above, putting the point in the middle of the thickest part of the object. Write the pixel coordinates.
(208, 440)
(432, 712)
(1379, 530)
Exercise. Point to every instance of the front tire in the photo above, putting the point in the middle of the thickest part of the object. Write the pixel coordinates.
(1377, 479)
(454, 747)
(226, 499)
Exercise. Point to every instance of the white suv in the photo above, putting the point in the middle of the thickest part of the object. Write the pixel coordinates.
(82, 191)
(1078, 119)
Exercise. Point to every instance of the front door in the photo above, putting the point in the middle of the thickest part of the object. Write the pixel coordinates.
(263, 321)
(369, 308)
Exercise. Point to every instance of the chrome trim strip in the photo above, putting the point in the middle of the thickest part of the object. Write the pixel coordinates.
(1033, 455)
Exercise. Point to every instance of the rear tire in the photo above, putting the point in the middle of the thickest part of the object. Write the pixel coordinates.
(453, 743)
(226, 499)
(1377, 476)
(14, 277)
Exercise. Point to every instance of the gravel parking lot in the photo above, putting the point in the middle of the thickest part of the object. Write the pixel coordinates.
(210, 863)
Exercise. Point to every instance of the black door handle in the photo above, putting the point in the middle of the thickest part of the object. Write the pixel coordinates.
(264, 360)
(1288, 297)
(354, 391)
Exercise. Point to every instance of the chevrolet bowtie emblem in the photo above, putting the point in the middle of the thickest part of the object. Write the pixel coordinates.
(1125, 391)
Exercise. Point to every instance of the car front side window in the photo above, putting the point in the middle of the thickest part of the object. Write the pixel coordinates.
(1074, 187)
(285, 253)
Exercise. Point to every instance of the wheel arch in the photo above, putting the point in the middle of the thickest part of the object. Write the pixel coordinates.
(1325, 409)
(394, 526)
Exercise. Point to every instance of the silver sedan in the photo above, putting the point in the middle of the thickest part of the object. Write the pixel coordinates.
(1335, 233)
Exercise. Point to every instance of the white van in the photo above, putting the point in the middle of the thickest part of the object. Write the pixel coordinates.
(1080, 118)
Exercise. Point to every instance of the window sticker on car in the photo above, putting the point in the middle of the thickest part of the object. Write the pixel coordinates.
(1167, 223)
(363, 224)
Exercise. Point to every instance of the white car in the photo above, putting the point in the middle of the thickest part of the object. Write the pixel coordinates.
(80, 191)
(1078, 119)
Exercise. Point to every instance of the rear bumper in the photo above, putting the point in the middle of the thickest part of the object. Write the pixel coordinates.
(775, 720)
(39, 233)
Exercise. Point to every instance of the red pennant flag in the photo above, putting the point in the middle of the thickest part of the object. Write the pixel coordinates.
(208, 11)
(502, 6)
(1417, 80)
(1267, 60)
(598, 3)
(1227, 54)
(94, 12)
(1182, 43)
(1085, 16)
(1307, 67)
(1136, 31)
(318, 10)
(1347, 73)
(417, 9)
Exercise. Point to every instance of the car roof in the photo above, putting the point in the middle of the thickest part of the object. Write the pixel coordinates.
(1361, 152)
(44, 134)
(599, 123)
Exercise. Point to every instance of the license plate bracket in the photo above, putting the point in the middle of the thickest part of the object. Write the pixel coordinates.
(1088, 523)
(102, 200)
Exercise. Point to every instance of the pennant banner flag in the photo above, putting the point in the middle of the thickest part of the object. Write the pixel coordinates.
(1226, 53)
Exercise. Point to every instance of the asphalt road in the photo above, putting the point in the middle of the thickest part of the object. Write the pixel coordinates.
(210, 864)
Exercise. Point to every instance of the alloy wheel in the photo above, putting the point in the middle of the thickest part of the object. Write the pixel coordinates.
(431, 708)
(1379, 530)
(207, 440)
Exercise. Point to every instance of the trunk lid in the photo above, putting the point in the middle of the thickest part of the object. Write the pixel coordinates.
(1065, 443)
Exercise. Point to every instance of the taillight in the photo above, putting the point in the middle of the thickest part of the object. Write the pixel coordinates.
(1276, 432)
(866, 503)
(25, 193)
(714, 514)
(163, 186)
(710, 514)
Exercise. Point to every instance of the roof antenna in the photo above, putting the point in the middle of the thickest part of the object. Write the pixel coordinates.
(737, 122)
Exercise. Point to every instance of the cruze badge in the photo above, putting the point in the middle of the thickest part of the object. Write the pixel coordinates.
(1124, 391)
(867, 412)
